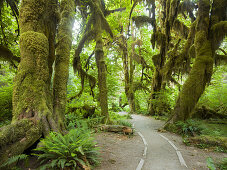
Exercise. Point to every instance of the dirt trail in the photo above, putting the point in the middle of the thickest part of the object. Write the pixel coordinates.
(160, 154)
(122, 153)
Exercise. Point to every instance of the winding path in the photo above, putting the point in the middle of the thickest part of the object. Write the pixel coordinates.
(159, 152)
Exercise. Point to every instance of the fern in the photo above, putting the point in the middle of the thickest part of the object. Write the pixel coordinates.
(77, 148)
(14, 159)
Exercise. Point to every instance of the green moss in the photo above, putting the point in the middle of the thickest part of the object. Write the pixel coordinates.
(31, 81)
(32, 15)
(17, 137)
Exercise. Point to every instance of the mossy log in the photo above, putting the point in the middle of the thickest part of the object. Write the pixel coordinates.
(117, 129)
(89, 110)
(210, 141)
(206, 113)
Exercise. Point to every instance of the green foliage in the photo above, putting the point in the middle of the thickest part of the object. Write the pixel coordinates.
(124, 123)
(213, 129)
(75, 149)
(213, 165)
(164, 101)
(210, 163)
(74, 121)
(188, 128)
(6, 102)
(215, 96)
(4, 123)
(13, 160)
(115, 116)
(222, 164)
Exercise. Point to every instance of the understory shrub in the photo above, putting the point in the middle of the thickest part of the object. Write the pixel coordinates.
(74, 150)
(164, 102)
(188, 128)
(74, 121)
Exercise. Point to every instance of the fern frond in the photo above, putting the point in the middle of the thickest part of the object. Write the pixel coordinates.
(14, 159)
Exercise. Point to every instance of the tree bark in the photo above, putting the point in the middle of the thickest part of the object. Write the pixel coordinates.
(100, 62)
(128, 74)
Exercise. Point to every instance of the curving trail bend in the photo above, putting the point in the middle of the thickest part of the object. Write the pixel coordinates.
(159, 152)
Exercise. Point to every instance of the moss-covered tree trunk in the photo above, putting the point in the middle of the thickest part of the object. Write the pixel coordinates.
(128, 74)
(205, 45)
(33, 114)
(159, 60)
(64, 42)
(100, 62)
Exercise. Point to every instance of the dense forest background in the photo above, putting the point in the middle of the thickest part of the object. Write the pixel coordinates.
(64, 60)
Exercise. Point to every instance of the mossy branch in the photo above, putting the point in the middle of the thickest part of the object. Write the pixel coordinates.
(105, 24)
(108, 12)
(7, 55)
(140, 86)
(86, 37)
(220, 59)
(218, 32)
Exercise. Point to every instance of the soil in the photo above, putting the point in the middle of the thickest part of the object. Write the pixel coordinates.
(119, 151)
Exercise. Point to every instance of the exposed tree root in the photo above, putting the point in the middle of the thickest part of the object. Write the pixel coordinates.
(17, 137)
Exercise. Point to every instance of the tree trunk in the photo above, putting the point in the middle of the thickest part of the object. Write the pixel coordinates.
(195, 84)
(156, 87)
(64, 41)
(32, 96)
(100, 62)
(201, 71)
(128, 77)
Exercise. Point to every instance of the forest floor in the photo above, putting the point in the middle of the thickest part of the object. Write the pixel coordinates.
(120, 152)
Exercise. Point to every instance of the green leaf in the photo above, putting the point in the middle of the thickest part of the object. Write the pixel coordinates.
(210, 164)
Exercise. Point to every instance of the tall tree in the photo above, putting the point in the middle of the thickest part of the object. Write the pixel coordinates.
(36, 110)
(211, 28)
(95, 26)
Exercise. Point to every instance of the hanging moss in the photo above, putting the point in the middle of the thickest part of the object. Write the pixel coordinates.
(181, 28)
(158, 37)
(142, 20)
(218, 32)
(187, 6)
(220, 59)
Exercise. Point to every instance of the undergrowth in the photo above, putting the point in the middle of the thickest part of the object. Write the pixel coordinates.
(74, 150)
(201, 134)
(14, 160)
